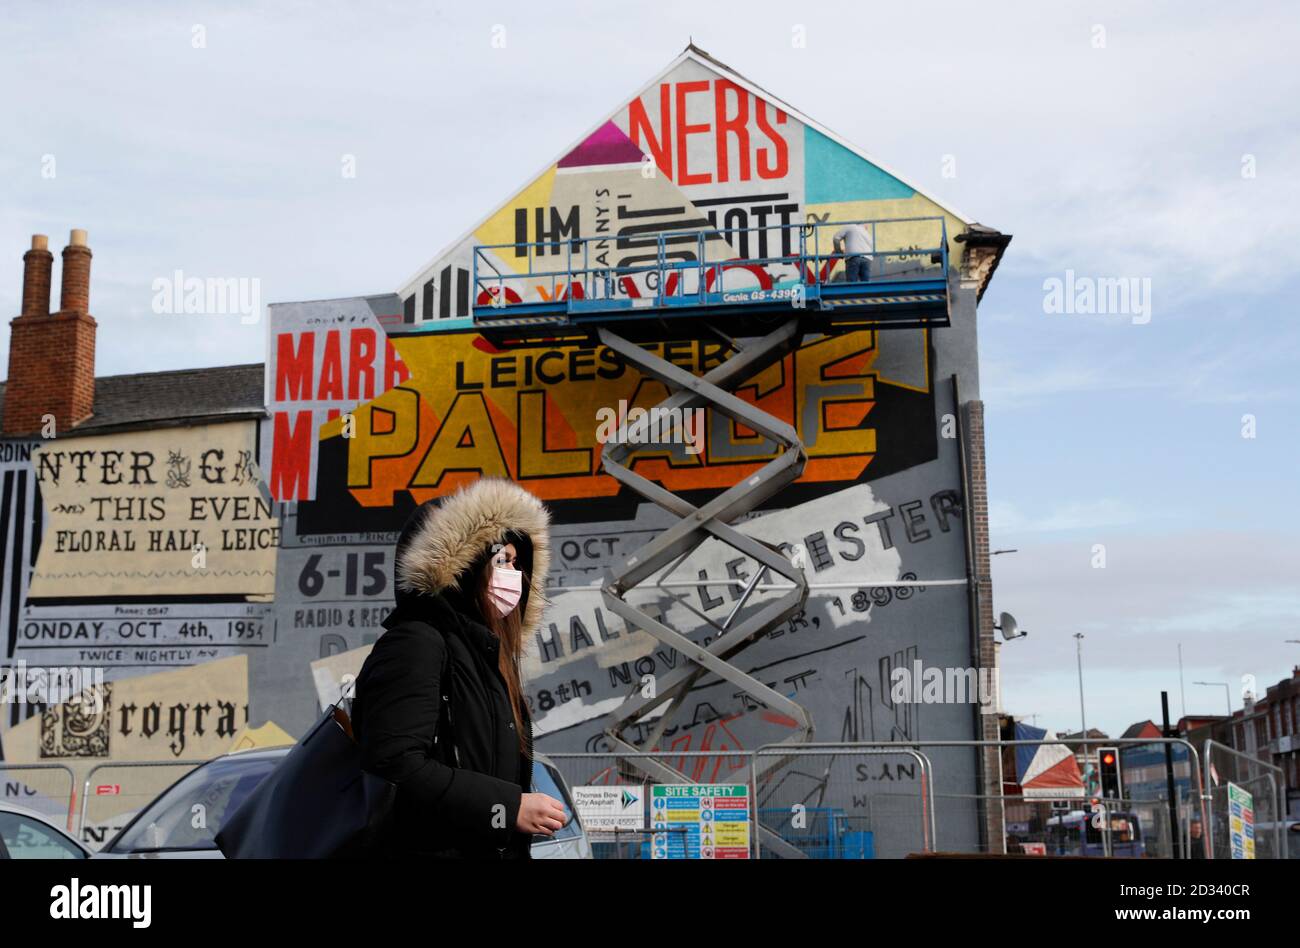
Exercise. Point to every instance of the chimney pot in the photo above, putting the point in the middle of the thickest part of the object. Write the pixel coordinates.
(78, 238)
(40, 242)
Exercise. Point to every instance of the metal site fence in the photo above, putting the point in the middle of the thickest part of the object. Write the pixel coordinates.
(1130, 826)
(114, 792)
(91, 809)
(47, 789)
(827, 801)
(1246, 808)
(848, 800)
(810, 799)
(809, 802)
(861, 800)
(1138, 823)
(629, 769)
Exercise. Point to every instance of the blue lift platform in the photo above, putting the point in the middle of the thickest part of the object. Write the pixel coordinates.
(705, 281)
(618, 289)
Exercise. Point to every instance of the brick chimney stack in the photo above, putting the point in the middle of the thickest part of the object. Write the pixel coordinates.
(52, 356)
(38, 264)
(75, 297)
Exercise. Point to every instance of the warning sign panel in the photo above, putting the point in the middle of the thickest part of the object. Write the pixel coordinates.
(1241, 822)
(699, 821)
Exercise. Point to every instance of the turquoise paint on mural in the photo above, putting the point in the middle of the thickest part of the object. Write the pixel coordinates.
(832, 174)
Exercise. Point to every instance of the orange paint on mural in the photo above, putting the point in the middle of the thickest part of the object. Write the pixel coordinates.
(844, 415)
(531, 414)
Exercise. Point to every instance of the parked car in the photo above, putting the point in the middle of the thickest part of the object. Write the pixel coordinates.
(570, 841)
(165, 828)
(26, 834)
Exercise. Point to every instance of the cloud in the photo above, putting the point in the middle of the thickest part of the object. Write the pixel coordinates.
(1207, 359)
(1230, 599)
(1006, 520)
(1194, 232)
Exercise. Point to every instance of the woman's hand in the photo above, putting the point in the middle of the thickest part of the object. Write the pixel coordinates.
(539, 813)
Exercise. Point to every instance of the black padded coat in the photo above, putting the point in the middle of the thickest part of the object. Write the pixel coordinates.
(459, 775)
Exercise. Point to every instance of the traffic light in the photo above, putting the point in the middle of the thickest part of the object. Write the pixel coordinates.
(1108, 772)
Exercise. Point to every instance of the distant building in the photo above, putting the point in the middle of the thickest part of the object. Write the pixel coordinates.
(1142, 766)
(138, 547)
(1268, 728)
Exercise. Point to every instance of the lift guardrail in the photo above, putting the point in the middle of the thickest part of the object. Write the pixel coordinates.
(719, 272)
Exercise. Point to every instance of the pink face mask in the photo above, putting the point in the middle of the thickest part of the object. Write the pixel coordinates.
(505, 589)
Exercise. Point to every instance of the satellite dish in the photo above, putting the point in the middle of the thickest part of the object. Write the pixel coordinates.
(1010, 630)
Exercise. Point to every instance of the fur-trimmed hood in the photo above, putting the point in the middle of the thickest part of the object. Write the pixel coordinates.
(442, 540)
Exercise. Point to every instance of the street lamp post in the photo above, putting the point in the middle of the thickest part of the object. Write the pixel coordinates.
(1182, 692)
(1083, 723)
(1227, 692)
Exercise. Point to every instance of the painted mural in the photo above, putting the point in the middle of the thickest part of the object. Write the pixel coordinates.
(880, 500)
(145, 549)
(169, 512)
(696, 150)
(167, 719)
(323, 358)
(378, 403)
(139, 569)
(859, 401)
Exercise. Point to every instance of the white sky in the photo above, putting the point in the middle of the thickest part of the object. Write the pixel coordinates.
(1120, 160)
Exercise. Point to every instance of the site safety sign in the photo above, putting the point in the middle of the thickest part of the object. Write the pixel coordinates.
(699, 821)
(1241, 822)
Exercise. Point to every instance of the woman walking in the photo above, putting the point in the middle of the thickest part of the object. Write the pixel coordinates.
(439, 707)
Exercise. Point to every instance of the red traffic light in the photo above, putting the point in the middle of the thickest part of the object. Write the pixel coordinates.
(1108, 772)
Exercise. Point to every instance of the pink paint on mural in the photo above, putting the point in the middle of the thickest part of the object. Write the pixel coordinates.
(605, 146)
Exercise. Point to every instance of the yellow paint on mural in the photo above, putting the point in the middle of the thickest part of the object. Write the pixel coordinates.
(907, 232)
(269, 734)
(533, 414)
(500, 227)
(184, 714)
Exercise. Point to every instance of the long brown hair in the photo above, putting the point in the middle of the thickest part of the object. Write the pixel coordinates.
(508, 628)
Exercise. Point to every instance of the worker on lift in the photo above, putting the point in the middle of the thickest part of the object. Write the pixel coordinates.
(855, 240)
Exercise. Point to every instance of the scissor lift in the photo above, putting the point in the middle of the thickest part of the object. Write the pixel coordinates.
(674, 284)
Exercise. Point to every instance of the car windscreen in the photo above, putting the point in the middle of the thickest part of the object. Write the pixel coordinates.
(544, 781)
(191, 813)
(26, 837)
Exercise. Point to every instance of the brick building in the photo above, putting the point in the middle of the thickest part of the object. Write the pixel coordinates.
(99, 476)
(1268, 728)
